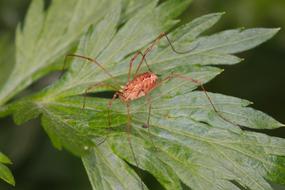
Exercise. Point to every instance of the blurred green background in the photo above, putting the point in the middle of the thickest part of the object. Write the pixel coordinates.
(260, 78)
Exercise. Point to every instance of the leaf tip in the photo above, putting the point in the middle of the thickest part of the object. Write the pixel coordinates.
(4, 159)
(218, 13)
(12, 182)
(273, 31)
(220, 71)
(9, 162)
(276, 30)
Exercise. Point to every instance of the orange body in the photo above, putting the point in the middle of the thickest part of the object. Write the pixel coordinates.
(140, 86)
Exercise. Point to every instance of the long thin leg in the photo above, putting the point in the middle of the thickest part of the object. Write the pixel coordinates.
(109, 108)
(147, 51)
(95, 62)
(149, 108)
(108, 114)
(109, 118)
(176, 75)
(93, 86)
(129, 130)
(155, 42)
(132, 62)
(84, 100)
(63, 66)
(148, 120)
(173, 49)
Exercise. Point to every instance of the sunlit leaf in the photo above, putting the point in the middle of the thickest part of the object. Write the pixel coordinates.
(5, 173)
(47, 35)
(187, 140)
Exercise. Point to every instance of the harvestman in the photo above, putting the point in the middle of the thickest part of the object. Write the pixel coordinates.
(141, 85)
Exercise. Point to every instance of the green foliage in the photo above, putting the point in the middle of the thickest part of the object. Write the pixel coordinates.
(187, 140)
(47, 36)
(5, 173)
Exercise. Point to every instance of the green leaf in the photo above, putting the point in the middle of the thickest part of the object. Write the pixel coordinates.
(5, 173)
(100, 163)
(187, 140)
(148, 160)
(235, 41)
(47, 36)
(197, 26)
(130, 7)
(4, 159)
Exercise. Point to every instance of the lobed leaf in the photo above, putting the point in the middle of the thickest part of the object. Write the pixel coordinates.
(187, 140)
(45, 38)
(157, 20)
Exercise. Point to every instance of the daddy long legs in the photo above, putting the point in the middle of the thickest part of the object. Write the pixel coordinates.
(141, 85)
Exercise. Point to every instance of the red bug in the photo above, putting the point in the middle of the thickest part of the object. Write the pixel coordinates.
(141, 85)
